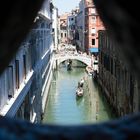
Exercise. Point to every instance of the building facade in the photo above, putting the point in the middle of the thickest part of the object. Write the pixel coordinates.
(71, 28)
(118, 83)
(15, 85)
(92, 25)
(71, 22)
(88, 24)
(63, 28)
(80, 27)
(55, 29)
(25, 82)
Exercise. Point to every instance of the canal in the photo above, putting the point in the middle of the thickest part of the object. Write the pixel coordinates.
(62, 106)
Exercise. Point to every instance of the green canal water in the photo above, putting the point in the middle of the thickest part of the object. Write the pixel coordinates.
(64, 108)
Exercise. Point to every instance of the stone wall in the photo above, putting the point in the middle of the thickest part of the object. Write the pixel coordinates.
(116, 79)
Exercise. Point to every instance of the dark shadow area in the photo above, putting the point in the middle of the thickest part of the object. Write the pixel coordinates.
(123, 24)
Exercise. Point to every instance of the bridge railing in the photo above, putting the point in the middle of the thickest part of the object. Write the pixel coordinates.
(60, 55)
(81, 57)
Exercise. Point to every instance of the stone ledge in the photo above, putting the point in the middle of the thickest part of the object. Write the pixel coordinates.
(125, 128)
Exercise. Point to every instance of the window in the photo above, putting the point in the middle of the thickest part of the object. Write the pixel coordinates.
(10, 81)
(92, 11)
(77, 36)
(42, 25)
(61, 34)
(93, 41)
(86, 11)
(53, 30)
(27, 107)
(94, 19)
(65, 35)
(24, 66)
(17, 73)
(93, 31)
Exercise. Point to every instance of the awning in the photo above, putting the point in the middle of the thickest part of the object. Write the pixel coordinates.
(93, 50)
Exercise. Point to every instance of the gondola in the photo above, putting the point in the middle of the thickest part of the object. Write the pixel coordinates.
(94, 75)
(69, 66)
(79, 92)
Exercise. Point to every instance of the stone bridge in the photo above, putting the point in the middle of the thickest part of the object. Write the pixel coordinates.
(59, 58)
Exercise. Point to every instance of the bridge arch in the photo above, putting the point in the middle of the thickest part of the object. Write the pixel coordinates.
(83, 59)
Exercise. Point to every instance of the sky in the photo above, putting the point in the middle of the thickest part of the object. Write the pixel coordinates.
(65, 5)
